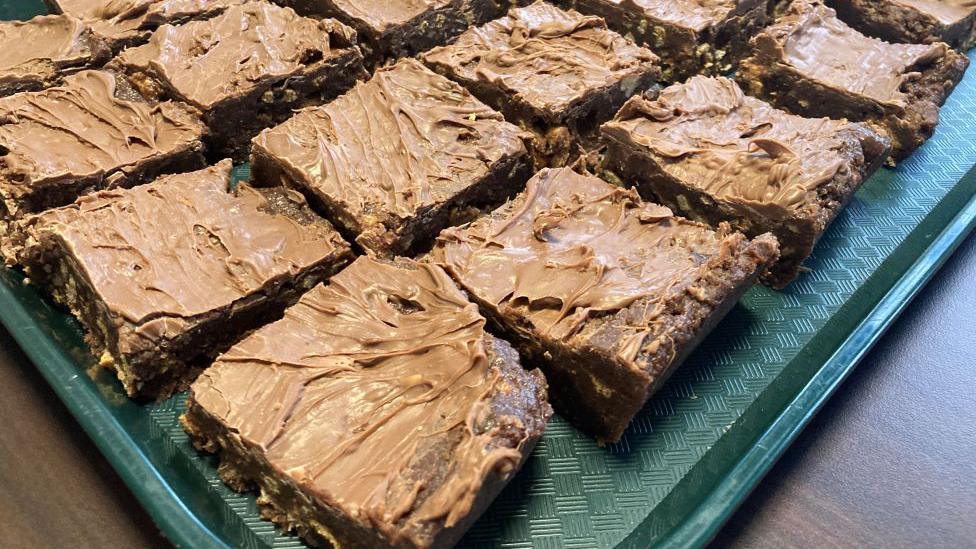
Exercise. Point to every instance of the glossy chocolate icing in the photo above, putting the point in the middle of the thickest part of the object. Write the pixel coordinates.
(694, 14)
(708, 134)
(185, 245)
(124, 20)
(575, 248)
(82, 129)
(548, 57)
(58, 40)
(381, 16)
(947, 12)
(402, 142)
(358, 386)
(810, 39)
(206, 62)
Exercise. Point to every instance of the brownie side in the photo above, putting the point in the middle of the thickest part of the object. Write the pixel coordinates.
(438, 24)
(162, 354)
(330, 64)
(894, 21)
(684, 50)
(909, 120)
(85, 161)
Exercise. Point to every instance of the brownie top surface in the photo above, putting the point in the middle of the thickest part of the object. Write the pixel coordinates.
(381, 17)
(205, 62)
(571, 247)
(811, 39)
(181, 246)
(548, 57)
(406, 139)
(57, 39)
(694, 14)
(709, 135)
(375, 393)
(123, 18)
(946, 12)
(83, 129)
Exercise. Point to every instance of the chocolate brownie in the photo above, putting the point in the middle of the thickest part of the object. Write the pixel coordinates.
(245, 69)
(912, 21)
(377, 413)
(396, 159)
(38, 53)
(163, 273)
(401, 28)
(812, 64)
(125, 23)
(605, 293)
(691, 36)
(555, 73)
(92, 132)
(712, 154)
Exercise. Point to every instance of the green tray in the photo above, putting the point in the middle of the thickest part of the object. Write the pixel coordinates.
(691, 456)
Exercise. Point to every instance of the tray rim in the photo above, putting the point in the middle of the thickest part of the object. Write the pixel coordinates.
(698, 527)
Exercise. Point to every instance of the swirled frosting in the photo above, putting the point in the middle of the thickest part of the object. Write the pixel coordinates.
(55, 39)
(946, 11)
(389, 13)
(379, 395)
(708, 134)
(695, 14)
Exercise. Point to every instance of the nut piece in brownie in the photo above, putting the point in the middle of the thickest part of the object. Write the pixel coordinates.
(811, 63)
(555, 73)
(397, 159)
(912, 21)
(173, 270)
(38, 53)
(391, 29)
(377, 413)
(125, 23)
(245, 69)
(712, 154)
(605, 293)
(92, 132)
(691, 36)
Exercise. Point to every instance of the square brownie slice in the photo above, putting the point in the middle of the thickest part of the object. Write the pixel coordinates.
(712, 154)
(245, 69)
(377, 413)
(38, 53)
(605, 293)
(125, 23)
(397, 159)
(691, 36)
(912, 21)
(167, 272)
(92, 132)
(555, 73)
(812, 64)
(402, 28)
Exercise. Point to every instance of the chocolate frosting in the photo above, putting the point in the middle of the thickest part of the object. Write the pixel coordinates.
(549, 57)
(811, 39)
(405, 140)
(126, 19)
(56, 39)
(572, 247)
(182, 246)
(694, 14)
(357, 386)
(947, 12)
(708, 134)
(83, 130)
(205, 62)
(381, 16)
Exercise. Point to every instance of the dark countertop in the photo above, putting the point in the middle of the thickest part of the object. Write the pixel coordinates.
(890, 461)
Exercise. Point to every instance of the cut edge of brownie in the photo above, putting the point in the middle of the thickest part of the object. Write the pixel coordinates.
(391, 235)
(235, 120)
(765, 76)
(169, 365)
(521, 415)
(797, 233)
(895, 22)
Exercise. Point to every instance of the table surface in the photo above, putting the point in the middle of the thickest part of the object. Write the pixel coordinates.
(888, 462)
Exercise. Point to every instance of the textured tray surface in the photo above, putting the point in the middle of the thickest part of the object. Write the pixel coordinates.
(571, 492)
